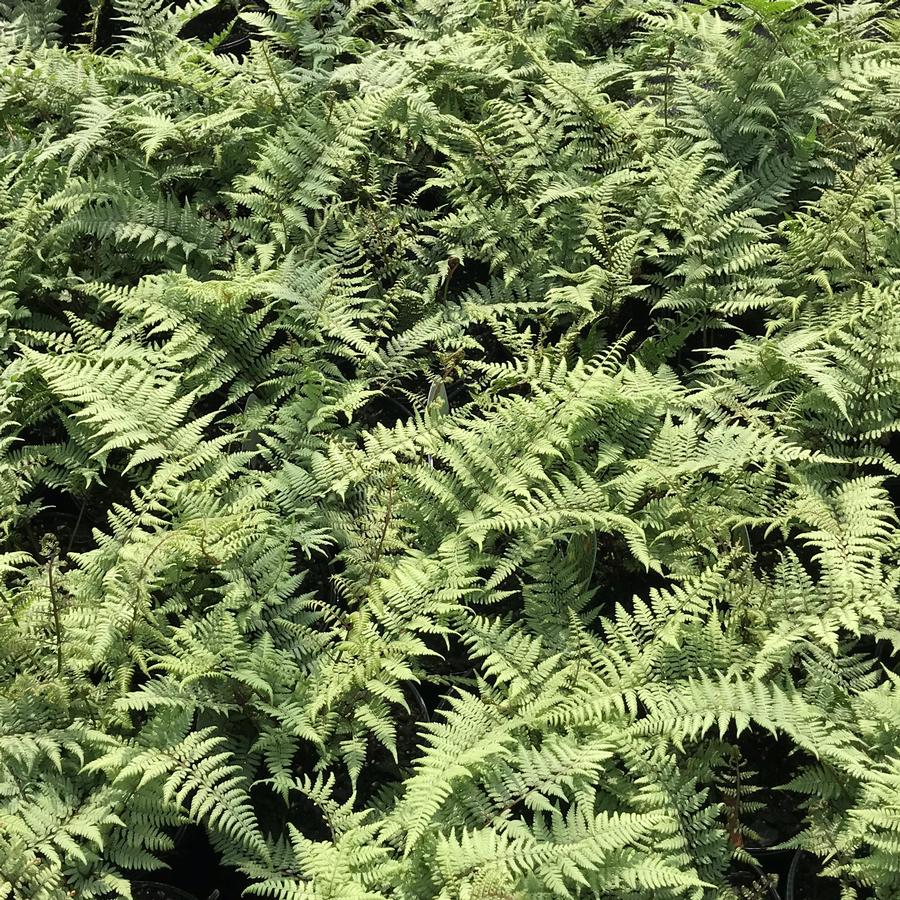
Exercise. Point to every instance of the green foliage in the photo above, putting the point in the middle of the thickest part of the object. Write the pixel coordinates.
(449, 448)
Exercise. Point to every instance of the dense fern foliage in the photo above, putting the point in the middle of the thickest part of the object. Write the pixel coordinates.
(449, 447)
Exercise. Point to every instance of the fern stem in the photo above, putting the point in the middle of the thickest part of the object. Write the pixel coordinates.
(490, 162)
(77, 525)
(733, 806)
(874, 359)
(452, 264)
(275, 80)
(837, 13)
(143, 571)
(95, 23)
(666, 86)
(54, 606)
(384, 528)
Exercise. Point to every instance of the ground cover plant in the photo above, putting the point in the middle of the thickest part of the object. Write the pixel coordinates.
(449, 448)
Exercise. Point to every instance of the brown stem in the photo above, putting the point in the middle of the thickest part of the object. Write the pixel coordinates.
(54, 606)
(95, 23)
(452, 263)
(733, 804)
(490, 161)
(384, 527)
(666, 85)
(837, 12)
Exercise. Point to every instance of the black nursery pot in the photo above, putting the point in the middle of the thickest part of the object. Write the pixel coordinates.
(154, 890)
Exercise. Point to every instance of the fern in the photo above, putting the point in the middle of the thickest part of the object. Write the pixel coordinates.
(449, 449)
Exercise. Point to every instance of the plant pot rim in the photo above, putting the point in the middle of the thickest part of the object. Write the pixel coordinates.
(175, 893)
